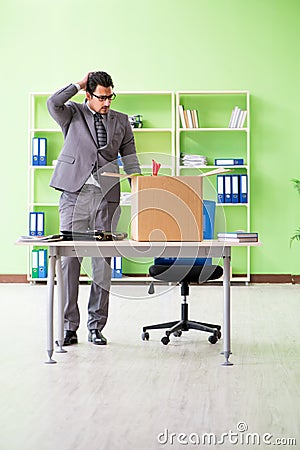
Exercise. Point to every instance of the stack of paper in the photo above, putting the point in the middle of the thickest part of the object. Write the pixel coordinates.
(193, 160)
(238, 236)
(125, 198)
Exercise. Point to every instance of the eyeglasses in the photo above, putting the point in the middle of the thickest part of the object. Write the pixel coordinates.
(102, 98)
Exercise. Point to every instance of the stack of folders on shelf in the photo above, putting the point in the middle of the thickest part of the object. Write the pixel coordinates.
(39, 151)
(232, 188)
(193, 160)
(238, 236)
(39, 263)
(36, 239)
(36, 224)
(116, 267)
(237, 118)
(188, 117)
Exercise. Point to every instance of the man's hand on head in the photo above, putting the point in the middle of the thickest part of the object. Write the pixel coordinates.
(83, 82)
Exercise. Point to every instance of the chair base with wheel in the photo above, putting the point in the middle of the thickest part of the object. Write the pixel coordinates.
(185, 275)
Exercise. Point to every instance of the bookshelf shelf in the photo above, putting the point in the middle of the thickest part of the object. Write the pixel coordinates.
(41, 167)
(43, 204)
(153, 130)
(45, 130)
(143, 166)
(246, 205)
(212, 129)
(211, 167)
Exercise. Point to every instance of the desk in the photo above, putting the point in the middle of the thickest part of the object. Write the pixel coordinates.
(130, 249)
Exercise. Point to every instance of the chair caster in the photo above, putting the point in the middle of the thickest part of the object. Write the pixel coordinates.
(213, 339)
(219, 334)
(145, 336)
(165, 340)
(177, 333)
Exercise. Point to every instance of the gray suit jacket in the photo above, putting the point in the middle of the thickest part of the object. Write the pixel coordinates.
(80, 153)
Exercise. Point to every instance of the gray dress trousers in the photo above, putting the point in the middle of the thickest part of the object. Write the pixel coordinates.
(82, 211)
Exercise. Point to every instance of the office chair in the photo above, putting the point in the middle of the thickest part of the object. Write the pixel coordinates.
(186, 271)
(184, 275)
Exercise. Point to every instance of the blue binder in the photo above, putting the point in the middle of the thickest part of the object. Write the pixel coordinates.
(235, 181)
(32, 224)
(229, 162)
(209, 210)
(35, 151)
(220, 188)
(116, 267)
(42, 263)
(112, 265)
(40, 224)
(42, 151)
(227, 189)
(243, 188)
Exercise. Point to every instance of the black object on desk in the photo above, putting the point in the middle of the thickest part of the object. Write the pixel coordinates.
(93, 235)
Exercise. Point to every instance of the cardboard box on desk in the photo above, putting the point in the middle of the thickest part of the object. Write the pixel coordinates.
(166, 208)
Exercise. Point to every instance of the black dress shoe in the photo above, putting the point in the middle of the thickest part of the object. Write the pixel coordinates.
(97, 338)
(70, 338)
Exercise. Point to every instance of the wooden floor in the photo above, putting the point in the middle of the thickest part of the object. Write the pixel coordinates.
(137, 395)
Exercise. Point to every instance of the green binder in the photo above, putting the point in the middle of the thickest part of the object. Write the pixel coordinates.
(35, 263)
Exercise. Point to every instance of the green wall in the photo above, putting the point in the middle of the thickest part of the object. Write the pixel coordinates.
(161, 45)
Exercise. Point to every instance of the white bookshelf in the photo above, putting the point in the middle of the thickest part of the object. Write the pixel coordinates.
(162, 138)
(212, 138)
(156, 139)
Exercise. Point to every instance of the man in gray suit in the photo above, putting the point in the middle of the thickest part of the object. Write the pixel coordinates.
(93, 136)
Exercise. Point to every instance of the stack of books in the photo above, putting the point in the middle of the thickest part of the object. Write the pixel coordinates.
(193, 160)
(237, 118)
(188, 117)
(238, 236)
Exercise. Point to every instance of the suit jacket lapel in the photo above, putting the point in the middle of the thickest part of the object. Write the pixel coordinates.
(111, 124)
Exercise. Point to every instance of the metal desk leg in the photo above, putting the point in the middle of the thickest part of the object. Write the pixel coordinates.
(50, 284)
(226, 311)
(61, 306)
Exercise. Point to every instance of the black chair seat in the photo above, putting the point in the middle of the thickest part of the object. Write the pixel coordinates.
(190, 274)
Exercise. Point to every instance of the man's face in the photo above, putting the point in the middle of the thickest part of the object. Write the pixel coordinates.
(97, 104)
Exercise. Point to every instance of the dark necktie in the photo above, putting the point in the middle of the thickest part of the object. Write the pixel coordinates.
(100, 130)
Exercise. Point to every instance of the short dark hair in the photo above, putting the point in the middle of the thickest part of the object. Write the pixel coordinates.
(98, 78)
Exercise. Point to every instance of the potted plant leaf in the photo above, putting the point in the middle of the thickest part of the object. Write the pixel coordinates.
(296, 236)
